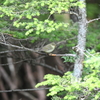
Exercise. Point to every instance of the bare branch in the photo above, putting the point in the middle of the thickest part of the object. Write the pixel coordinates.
(7, 78)
(27, 95)
(29, 74)
(71, 12)
(42, 64)
(20, 90)
(72, 55)
(3, 37)
(92, 20)
(63, 12)
(15, 46)
(7, 51)
(47, 66)
(60, 42)
(2, 87)
(30, 38)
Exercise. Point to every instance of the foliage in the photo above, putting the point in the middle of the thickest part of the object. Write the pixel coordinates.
(66, 88)
(69, 58)
(24, 18)
(93, 36)
(93, 10)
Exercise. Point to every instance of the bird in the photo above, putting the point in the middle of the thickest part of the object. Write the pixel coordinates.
(49, 48)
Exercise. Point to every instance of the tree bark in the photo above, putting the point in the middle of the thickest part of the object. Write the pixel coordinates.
(78, 66)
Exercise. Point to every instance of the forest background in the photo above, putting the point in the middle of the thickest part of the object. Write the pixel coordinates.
(25, 27)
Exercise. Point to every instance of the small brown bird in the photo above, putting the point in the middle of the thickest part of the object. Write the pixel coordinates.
(49, 48)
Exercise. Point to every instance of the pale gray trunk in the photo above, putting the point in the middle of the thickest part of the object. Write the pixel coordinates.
(78, 66)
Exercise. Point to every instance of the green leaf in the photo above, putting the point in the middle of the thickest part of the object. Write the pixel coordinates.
(29, 31)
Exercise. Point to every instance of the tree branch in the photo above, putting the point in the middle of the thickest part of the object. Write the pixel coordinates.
(15, 46)
(21, 90)
(47, 66)
(42, 64)
(7, 51)
(72, 55)
(92, 20)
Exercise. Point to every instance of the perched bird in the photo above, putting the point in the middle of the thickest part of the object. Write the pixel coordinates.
(49, 48)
